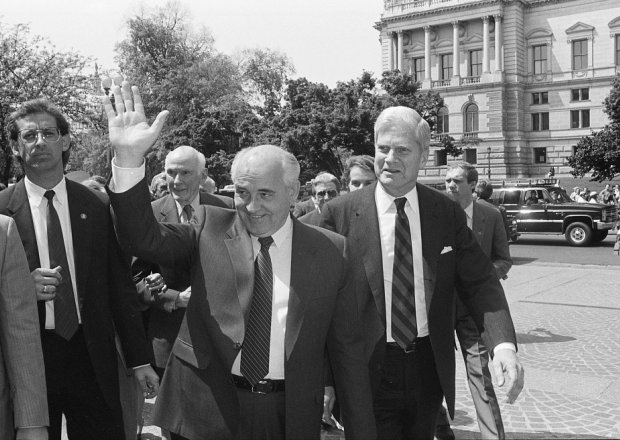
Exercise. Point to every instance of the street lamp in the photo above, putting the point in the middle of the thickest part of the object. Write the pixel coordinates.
(489, 162)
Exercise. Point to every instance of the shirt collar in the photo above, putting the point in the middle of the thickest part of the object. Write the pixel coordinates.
(36, 193)
(385, 202)
(469, 210)
(280, 236)
(195, 204)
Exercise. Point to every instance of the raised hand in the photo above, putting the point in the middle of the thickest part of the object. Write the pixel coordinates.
(131, 136)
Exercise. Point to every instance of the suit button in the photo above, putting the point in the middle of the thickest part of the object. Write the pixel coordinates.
(237, 345)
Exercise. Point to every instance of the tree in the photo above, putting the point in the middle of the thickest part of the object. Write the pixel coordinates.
(599, 153)
(32, 68)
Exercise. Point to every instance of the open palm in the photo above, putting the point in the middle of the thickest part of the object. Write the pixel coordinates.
(131, 136)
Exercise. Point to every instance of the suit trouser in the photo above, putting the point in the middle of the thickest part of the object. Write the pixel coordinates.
(72, 390)
(476, 357)
(409, 396)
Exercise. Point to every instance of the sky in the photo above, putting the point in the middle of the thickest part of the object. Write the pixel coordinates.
(327, 40)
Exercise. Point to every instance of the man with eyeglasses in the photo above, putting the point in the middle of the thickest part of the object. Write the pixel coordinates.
(325, 186)
(82, 282)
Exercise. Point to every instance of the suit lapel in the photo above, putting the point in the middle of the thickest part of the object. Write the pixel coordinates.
(81, 231)
(431, 240)
(168, 212)
(19, 208)
(302, 258)
(478, 223)
(364, 219)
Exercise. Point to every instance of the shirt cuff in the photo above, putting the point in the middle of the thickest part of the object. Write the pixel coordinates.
(508, 345)
(123, 179)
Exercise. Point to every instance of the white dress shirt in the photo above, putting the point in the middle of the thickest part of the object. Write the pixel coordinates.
(386, 210)
(281, 253)
(38, 208)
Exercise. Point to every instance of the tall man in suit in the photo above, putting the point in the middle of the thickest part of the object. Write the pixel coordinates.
(166, 291)
(23, 400)
(270, 297)
(83, 285)
(487, 224)
(414, 248)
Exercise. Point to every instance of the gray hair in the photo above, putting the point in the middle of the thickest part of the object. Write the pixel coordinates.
(191, 152)
(408, 118)
(289, 163)
(471, 173)
(325, 177)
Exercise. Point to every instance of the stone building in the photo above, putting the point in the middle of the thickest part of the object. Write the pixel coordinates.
(522, 80)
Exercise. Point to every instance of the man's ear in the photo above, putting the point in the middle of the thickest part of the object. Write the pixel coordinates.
(14, 147)
(66, 142)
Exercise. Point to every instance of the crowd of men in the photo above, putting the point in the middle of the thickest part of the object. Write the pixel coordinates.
(259, 315)
(608, 196)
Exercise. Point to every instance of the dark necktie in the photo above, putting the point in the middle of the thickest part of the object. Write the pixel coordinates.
(404, 327)
(187, 214)
(65, 312)
(255, 352)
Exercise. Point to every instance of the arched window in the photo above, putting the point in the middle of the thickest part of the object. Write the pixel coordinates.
(443, 120)
(471, 118)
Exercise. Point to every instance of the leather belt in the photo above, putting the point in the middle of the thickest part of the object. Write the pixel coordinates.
(263, 386)
(411, 348)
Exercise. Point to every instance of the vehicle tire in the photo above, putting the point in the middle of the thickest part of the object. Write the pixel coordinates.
(599, 236)
(578, 234)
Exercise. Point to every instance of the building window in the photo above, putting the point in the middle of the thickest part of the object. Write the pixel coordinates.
(540, 98)
(475, 62)
(580, 54)
(418, 69)
(540, 59)
(443, 121)
(580, 94)
(441, 158)
(579, 118)
(540, 155)
(471, 156)
(617, 38)
(540, 121)
(446, 66)
(471, 118)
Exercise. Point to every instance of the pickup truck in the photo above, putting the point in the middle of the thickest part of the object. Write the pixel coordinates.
(542, 209)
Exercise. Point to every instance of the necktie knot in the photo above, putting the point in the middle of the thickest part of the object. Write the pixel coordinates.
(49, 195)
(400, 205)
(188, 213)
(265, 242)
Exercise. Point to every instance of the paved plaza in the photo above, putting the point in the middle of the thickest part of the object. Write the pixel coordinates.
(567, 319)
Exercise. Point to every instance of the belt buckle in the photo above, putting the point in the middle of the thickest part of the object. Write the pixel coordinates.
(262, 387)
(412, 347)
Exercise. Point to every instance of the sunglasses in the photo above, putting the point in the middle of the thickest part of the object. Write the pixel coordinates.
(331, 193)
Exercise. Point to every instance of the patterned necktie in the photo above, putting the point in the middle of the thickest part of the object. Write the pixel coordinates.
(65, 312)
(255, 352)
(187, 215)
(404, 327)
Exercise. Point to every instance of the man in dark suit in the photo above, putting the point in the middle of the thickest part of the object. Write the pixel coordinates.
(270, 298)
(184, 169)
(487, 224)
(82, 283)
(23, 399)
(414, 248)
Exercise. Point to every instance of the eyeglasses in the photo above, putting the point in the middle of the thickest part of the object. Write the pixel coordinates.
(30, 136)
(330, 193)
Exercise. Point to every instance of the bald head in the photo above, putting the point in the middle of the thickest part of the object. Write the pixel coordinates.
(185, 170)
(266, 185)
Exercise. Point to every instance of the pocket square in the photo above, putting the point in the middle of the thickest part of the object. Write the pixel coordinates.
(446, 249)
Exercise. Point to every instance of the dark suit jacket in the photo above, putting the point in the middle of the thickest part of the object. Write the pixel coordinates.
(103, 279)
(23, 396)
(488, 227)
(198, 399)
(312, 218)
(452, 259)
(163, 326)
(303, 208)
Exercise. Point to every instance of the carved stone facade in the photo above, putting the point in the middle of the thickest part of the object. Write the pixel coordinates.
(522, 80)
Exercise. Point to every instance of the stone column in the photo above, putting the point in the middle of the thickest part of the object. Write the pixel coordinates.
(426, 84)
(456, 59)
(400, 64)
(499, 44)
(390, 51)
(485, 45)
(590, 52)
